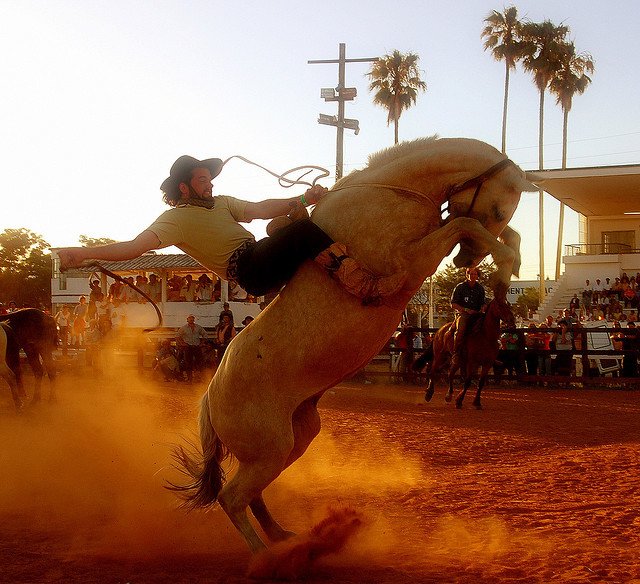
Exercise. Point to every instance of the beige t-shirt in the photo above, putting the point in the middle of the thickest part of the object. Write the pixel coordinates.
(209, 236)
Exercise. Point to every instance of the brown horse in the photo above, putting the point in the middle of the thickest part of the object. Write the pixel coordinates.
(479, 350)
(6, 338)
(261, 405)
(36, 333)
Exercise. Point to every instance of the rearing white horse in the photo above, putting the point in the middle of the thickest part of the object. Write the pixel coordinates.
(260, 406)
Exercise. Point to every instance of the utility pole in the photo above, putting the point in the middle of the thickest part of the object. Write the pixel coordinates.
(340, 94)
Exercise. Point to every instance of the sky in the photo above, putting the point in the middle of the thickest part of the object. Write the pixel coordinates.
(100, 97)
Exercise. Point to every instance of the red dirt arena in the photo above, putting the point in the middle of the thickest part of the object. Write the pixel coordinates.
(543, 485)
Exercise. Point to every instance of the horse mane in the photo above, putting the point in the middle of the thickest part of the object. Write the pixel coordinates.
(392, 153)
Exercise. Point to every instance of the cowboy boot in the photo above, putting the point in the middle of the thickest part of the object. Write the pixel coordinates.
(371, 289)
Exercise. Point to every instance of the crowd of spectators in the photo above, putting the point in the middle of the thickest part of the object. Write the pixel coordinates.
(193, 350)
(607, 300)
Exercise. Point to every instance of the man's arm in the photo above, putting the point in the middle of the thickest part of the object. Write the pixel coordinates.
(72, 257)
(271, 208)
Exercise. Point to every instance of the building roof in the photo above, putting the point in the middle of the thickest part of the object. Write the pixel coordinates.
(594, 191)
(150, 262)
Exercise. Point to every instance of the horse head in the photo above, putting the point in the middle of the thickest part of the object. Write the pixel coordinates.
(501, 310)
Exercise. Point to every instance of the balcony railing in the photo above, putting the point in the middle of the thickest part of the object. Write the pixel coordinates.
(575, 249)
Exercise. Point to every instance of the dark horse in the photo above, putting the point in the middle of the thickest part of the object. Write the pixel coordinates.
(479, 349)
(36, 333)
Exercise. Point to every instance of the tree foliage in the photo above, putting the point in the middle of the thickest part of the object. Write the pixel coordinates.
(25, 268)
(395, 81)
(444, 281)
(86, 241)
(527, 302)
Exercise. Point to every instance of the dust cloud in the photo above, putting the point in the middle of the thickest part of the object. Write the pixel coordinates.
(440, 495)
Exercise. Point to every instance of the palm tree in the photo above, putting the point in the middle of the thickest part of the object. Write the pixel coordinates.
(502, 38)
(544, 49)
(570, 80)
(395, 79)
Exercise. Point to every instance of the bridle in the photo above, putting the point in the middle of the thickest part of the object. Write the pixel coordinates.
(478, 181)
(420, 196)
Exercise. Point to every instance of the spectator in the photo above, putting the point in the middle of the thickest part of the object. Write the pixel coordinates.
(598, 288)
(225, 312)
(80, 321)
(630, 345)
(532, 344)
(247, 321)
(63, 320)
(224, 334)
(544, 350)
(94, 290)
(574, 304)
(173, 288)
(93, 348)
(563, 342)
(586, 296)
(204, 288)
(12, 306)
(155, 288)
(167, 361)
(508, 355)
(236, 292)
(143, 284)
(188, 289)
(189, 338)
(616, 289)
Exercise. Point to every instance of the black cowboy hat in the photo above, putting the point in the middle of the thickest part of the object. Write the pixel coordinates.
(181, 168)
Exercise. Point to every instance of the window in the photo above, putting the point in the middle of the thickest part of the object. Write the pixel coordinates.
(618, 241)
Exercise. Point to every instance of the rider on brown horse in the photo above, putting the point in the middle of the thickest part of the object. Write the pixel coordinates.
(468, 301)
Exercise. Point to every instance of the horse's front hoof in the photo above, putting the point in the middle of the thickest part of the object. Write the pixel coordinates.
(448, 398)
(477, 405)
(428, 396)
(458, 405)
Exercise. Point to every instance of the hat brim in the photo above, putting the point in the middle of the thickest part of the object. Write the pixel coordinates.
(213, 165)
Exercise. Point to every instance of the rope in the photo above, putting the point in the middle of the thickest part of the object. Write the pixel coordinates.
(282, 178)
(111, 274)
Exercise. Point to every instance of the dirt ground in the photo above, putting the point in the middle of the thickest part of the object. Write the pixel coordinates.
(543, 485)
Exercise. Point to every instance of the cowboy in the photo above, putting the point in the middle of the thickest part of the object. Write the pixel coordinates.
(468, 301)
(208, 229)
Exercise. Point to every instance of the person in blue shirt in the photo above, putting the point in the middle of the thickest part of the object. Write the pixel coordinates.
(468, 301)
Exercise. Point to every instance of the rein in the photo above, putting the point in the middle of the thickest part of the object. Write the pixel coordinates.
(420, 196)
(111, 274)
(478, 181)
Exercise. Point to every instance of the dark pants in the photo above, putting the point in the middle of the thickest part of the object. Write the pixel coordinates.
(192, 358)
(271, 262)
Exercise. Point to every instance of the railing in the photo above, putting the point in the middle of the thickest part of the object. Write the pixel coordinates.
(575, 249)
(399, 369)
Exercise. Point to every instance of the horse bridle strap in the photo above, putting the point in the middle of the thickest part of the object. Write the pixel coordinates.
(479, 180)
(416, 195)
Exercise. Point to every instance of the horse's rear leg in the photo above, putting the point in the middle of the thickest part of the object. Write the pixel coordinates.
(274, 531)
(33, 356)
(245, 489)
(10, 378)
(463, 392)
(50, 368)
(306, 426)
(483, 379)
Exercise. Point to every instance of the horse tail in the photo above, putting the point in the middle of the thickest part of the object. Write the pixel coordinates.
(202, 467)
(426, 357)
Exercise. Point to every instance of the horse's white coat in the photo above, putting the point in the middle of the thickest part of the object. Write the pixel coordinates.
(261, 403)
